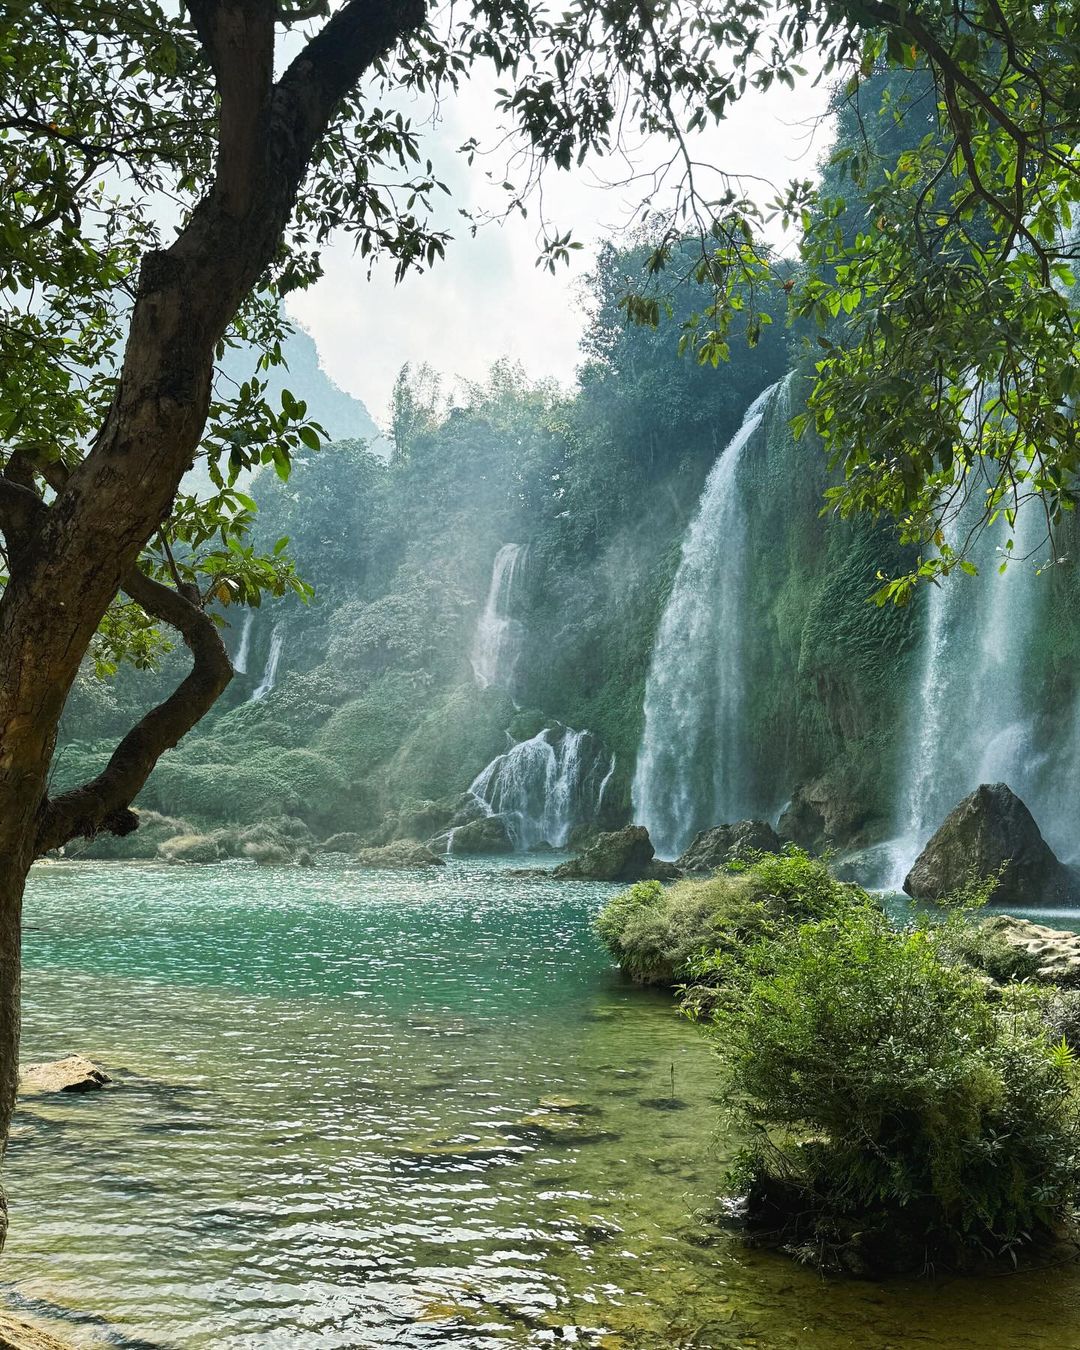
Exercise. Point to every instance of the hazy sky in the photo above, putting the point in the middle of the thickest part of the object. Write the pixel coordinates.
(487, 299)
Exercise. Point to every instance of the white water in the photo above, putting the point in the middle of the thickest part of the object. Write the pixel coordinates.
(496, 647)
(545, 786)
(690, 771)
(240, 664)
(970, 718)
(273, 656)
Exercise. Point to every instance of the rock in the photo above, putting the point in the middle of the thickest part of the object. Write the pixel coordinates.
(18, 1335)
(190, 848)
(722, 844)
(486, 835)
(304, 859)
(1056, 950)
(267, 854)
(582, 837)
(76, 1073)
(401, 854)
(342, 843)
(620, 855)
(834, 809)
(871, 867)
(990, 827)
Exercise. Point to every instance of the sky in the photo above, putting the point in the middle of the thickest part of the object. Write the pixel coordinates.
(487, 299)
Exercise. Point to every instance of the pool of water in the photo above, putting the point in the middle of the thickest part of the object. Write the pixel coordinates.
(320, 1133)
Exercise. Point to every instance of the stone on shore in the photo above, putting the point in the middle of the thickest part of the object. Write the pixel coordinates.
(1056, 950)
(990, 828)
(76, 1073)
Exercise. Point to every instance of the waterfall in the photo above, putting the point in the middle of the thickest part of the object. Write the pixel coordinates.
(496, 645)
(240, 663)
(273, 656)
(545, 786)
(691, 764)
(971, 713)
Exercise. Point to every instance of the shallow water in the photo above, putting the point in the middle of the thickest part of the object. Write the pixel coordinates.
(316, 1139)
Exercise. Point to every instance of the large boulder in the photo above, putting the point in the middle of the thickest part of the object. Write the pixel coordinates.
(347, 842)
(76, 1073)
(401, 854)
(728, 843)
(989, 828)
(489, 834)
(620, 855)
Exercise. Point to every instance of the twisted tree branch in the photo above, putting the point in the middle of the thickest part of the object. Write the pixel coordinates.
(101, 805)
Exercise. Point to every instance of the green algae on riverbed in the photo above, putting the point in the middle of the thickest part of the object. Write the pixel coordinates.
(329, 1130)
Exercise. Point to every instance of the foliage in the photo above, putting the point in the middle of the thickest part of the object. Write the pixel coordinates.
(692, 929)
(898, 1117)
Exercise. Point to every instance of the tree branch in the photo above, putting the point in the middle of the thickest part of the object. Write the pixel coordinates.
(238, 37)
(101, 805)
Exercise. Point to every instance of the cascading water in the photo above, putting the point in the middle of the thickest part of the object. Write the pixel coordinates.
(691, 764)
(273, 657)
(971, 712)
(496, 646)
(545, 786)
(240, 662)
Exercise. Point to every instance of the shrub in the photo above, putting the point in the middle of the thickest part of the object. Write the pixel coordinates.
(694, 927)
(900, 1117)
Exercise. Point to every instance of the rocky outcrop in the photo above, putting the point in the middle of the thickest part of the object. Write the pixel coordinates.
(343, 843)
(489, 834)
(989, 830)
(620, 855)
(1056, 950)
(190, 848)
(723, 844)
(833, 810)
(401, 854)
(76, 1073)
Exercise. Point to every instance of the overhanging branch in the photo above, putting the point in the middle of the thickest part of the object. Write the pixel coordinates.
(101, 805)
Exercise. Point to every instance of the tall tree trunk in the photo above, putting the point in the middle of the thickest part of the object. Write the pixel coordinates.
(69, 558)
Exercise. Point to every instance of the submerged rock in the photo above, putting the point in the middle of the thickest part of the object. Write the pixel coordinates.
(76, 1073)
(727, 843)
(401, 854)
(621, 855)
(991, 827)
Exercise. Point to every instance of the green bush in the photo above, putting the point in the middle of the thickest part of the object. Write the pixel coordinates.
(900, 1118)
(693, 928)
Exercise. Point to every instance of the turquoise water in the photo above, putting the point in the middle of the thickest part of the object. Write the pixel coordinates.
(327, 1132)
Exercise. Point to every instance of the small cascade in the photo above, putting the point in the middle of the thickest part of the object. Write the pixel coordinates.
(545, 786)
(496, 646)
(273, 656)
(692, 760)
(243, 652)
(971, 711)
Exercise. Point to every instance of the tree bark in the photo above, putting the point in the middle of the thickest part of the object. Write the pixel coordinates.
(71, 557)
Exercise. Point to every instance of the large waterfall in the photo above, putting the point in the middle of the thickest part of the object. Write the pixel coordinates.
(544, 787)
(496, 646)
(691, 767)
(273, 657)
(972, 714)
